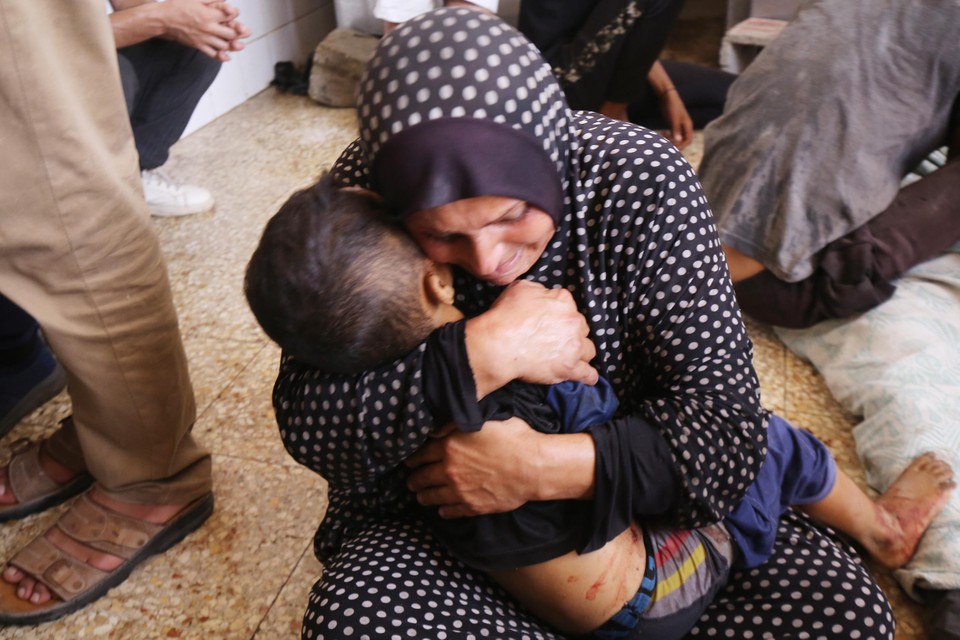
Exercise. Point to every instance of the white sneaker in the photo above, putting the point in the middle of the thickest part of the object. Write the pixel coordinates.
(166, 198)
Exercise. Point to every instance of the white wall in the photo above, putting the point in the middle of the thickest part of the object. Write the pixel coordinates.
(282, 30)
(358, 14)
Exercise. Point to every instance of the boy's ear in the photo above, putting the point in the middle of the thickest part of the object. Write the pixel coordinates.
(438, 283)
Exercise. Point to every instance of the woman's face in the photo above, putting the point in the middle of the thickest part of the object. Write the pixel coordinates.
(496, 239)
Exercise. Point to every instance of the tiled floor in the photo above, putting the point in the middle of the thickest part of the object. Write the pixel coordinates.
(247, 572)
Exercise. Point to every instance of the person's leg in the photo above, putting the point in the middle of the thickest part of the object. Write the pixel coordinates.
(799, 471)
(889, 527)
(856, 272)
(393, 580)
(79, 253)
(163, 83)
(702, 89)
(29, 374)
(813, 586)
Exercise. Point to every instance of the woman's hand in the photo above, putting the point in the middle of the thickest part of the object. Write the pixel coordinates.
(671, 106)
(469, 474)
(675, 112)
(500, 467)
(533, 334)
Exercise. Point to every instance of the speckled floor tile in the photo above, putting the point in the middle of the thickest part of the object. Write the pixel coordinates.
(210, 301)
(286, 615)
(44, 418)
(221, 581)
(240, 423)
(262, 149)
(694, 152)
(808, 393)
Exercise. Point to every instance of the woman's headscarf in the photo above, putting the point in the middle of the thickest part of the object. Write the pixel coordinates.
(457, 104)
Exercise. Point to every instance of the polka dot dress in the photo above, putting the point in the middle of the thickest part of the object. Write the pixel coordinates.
(637, 248)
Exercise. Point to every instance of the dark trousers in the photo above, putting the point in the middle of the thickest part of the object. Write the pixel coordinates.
(702, 89)
(162, 83)
(600, 49)
(18, 335)
(855, 273)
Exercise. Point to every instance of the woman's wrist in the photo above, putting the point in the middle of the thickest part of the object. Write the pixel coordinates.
(663, 92)
(489, 370)
(564, 466)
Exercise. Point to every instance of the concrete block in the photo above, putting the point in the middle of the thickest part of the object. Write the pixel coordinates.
(338, 63)
(745, 40)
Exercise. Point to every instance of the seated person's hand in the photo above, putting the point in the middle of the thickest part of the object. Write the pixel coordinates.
(469, 474)
(675, 113)
(209, 26)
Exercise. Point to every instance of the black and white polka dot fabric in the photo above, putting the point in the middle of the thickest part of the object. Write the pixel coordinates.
(636, 246)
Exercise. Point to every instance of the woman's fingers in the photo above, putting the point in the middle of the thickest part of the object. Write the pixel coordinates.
(429, 453)
(475, 473)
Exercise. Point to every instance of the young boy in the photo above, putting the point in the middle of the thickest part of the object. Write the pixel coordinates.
(338, 285)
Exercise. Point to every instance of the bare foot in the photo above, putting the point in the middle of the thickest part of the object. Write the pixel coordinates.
(37, 593)
(907, 507)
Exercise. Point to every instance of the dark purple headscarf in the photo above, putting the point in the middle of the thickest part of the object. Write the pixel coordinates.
(457, 104)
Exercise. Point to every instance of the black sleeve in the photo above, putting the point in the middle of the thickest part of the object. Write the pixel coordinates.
(451, 392)
(448, 383)
(635, 477)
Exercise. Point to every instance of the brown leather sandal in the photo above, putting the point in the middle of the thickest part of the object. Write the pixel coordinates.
(34, 490)
(76, 583)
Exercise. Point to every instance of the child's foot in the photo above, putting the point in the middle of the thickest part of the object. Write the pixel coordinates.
(907, 507)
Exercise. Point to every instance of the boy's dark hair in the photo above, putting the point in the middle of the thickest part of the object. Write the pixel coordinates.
(337, 284)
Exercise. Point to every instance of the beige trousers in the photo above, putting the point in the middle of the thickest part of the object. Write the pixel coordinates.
(79, 253)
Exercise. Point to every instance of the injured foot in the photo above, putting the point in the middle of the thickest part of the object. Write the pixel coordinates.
(907, 508)
(36, 592)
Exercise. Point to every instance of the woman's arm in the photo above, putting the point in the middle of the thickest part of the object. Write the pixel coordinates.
(352, 430)
(671, 106)
(500, 467)
(688, 362)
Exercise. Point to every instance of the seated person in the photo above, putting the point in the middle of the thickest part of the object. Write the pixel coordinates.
(169, 54)
(604, 55)
(340, 286)
(803, 170)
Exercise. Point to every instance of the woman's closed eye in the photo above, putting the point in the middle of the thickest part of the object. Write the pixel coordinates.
(445, 238)
(516, 214)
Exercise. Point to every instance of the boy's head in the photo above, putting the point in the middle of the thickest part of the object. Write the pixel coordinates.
(338, 285)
